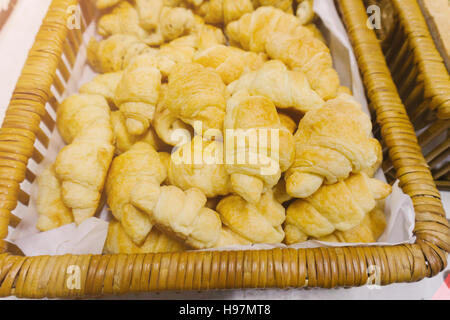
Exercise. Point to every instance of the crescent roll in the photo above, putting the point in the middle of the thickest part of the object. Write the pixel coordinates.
(258, 223)
(196, 93)
(331, 142)
(137, 93)
(140, 164)
(340, 206)
(220, 12)
(229, 62)
(104, 85)
(287, 89)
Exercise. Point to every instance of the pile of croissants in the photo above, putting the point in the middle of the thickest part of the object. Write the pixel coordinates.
(166, 65)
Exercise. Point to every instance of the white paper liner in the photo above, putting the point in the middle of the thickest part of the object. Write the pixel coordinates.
(89, 237)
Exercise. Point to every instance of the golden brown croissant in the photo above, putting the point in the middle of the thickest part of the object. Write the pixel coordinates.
(207, 35)
(287, 89)
(229, 62)
(124, 140)
(287, 122)
(104, 85)
(306, 53)
(340, 206)
(305, 11)
(140, 164)
(331, 142)
(196, 93)
(78, 112)
(81, 166)
(255, 116)
(199, 164)
(137, 93)
(124, 19)
(370, 229)
(251, 31)
(179, 213)
(169, 128)
(50, 207)
(114, 53)
(118, 241)
(257, 223)
(224, 11)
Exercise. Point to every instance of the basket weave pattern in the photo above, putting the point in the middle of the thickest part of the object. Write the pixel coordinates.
(47, 276)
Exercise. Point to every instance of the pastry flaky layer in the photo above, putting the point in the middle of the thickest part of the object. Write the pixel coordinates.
(212, 124)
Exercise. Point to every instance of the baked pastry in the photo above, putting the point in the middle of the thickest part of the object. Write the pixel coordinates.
(340, 206)
(306, 53)
(370, 229)
(124, 140)
(246, 115)
(160, 25)
(207, 35)
(220, 12)
(258, 223)
(138, 92)
(252, 30)
(104, 85)
(140, 164)
(229, 62)
(287, 89)
(196, 93)
(80, 111)
(118, 241)
(114, 53)
(81, 166)
(199, 164)
(179, 213)
(287, 122)
(305, 11)
(331, 142)
(169, 128)
(50, 207)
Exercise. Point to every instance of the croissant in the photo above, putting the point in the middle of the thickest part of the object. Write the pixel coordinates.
(168, 127)
(340, 206)
(370, 229)
(306, 53)
(140, 164)
(331, 142)
(124, 19)
(220, 12)
(287, 122)
(305, 11)
(229, 62)
(199, 164)
(118, 241)
(257, 223)
(124, 140)
(50, 207)
(250, 113)
(78, 112)
(81, 167)
(114, 53)
(287, 89)
(207, 35)
(104, 85)
(105, 4)
(229, 238)
(251, 31)
(316, 32)
(179, 213)
(137, 93)
(196, 93)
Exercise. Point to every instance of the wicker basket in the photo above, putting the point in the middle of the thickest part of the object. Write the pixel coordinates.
(46, 276)
(422, 80)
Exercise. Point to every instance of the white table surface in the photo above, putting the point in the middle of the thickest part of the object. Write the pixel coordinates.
(16, 38)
